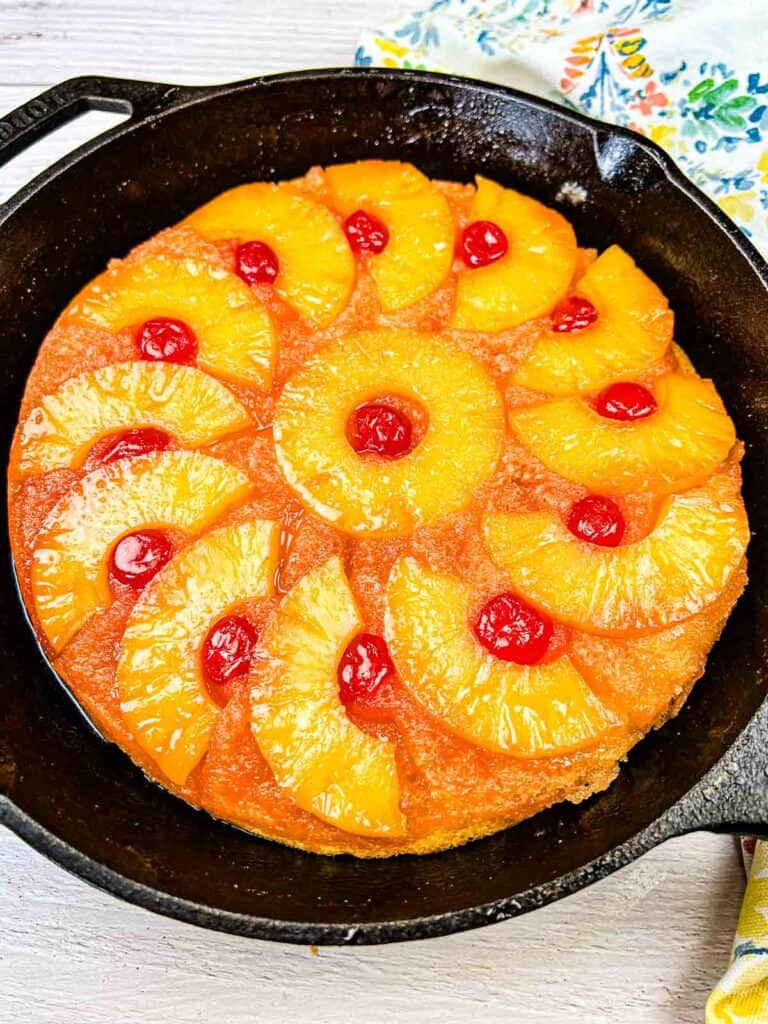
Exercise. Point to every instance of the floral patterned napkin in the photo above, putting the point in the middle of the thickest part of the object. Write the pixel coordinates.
(693, 76)
(690, 74)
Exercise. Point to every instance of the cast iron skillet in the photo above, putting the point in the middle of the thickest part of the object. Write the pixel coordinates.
(80, 800)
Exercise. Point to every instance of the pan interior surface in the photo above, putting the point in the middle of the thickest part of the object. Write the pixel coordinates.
(72, 787)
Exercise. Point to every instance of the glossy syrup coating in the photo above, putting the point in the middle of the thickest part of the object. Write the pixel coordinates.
(458, 775)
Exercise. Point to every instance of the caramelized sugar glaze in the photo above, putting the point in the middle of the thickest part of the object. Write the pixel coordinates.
(376, 439)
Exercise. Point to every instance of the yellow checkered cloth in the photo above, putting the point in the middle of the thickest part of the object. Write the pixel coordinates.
(741, 995)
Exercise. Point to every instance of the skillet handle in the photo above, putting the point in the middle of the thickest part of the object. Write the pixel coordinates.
(733, 795)
(66, 101)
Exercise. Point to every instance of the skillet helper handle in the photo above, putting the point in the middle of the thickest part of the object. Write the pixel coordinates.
(733, 795)
(66, 101)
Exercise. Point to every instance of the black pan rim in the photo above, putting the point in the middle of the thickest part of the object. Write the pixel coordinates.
(181, 96)
(322, 934)
(303, 933)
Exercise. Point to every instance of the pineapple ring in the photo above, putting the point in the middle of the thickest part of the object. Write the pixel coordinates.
(195, 408)
(633, 330)
(527, 711)
(676, 447)
(419, 253)
(535, 272)
(70, 580)
(332, 769)
(458, 452)
(677, 570)
(317, 269)
(159, 674)
(235, 335)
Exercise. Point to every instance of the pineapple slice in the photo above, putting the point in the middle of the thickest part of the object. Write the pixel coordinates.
(183, 490)
(195, 408)
(680, 567)
(330, 768)
(677, 446)
(531, 277)
(419, 253)
(527, 711)
(317, 269)
(235, 335)
(159, 674)
(458, 451)
(633, 329)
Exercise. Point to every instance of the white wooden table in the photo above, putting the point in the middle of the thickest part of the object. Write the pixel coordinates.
(642, 946)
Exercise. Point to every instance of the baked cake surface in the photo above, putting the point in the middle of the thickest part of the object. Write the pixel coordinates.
(371, 513)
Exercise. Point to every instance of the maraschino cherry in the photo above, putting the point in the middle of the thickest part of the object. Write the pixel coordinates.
(138, 556)
(512, 630)
(625, 401)
(366, 233)
(598, 520)
(364, 667)
(167, 340)
(256, 263)
(228, 649)
(130, 443)
(573, 314)
(482, 242)
(380, 429)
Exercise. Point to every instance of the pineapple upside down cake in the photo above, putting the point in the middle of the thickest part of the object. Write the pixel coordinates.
(371, 513)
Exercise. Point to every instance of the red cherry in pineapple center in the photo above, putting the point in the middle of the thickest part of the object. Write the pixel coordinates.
(256, 263)
(482, 242)
(598, 520)
(512, 630)
(167, 340)
(573, 314)
(138, 556)
(228, 649)
(364, 666)
(366, 233)
(380, 429)
(130, 443)
(625, 401)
